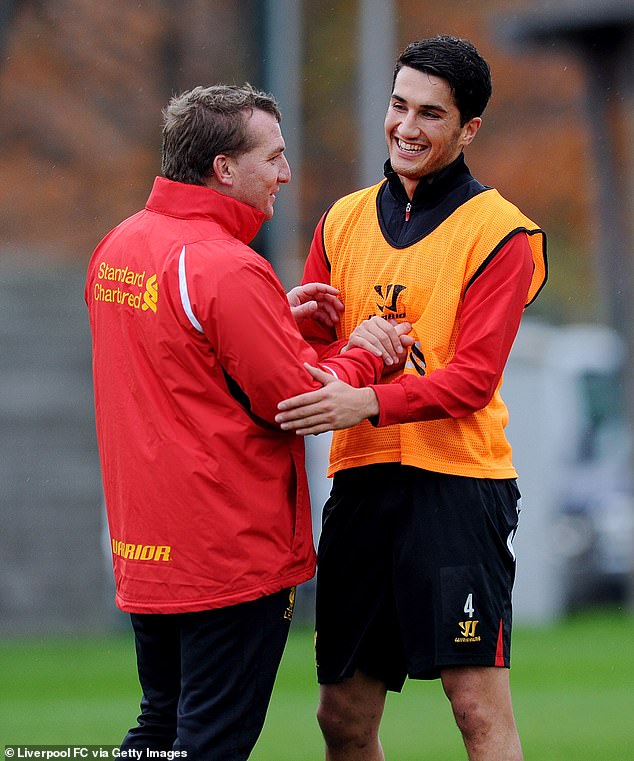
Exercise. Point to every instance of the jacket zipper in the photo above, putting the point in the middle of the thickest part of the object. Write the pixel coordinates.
(408, 208)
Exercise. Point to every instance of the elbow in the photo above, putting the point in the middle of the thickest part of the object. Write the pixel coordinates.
(484, 397)
(476, 397)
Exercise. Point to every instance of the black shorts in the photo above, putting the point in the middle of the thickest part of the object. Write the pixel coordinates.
(415, 573)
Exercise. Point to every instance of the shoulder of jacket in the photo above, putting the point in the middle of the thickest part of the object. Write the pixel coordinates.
(225, 253)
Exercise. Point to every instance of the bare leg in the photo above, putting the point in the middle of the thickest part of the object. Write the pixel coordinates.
(481, 703)
(349, 715)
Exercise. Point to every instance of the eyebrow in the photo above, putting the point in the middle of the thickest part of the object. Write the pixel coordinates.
(278, 149)
(422, 106)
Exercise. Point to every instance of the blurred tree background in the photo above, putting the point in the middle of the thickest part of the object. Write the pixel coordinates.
(82, 84)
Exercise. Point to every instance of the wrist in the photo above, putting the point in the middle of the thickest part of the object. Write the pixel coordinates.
(371, 403)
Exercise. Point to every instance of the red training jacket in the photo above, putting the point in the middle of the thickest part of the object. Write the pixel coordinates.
(194, 345)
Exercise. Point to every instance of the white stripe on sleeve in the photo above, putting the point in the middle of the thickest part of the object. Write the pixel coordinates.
(182, 284)
(331, 371)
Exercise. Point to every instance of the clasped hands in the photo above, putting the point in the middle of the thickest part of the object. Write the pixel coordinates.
(337, 404)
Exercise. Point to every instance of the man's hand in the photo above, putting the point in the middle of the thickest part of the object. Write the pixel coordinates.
(315, 300)
(336, 405)
(384, 338)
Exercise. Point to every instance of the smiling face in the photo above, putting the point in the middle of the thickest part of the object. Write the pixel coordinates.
(256, 176)
(422, 126)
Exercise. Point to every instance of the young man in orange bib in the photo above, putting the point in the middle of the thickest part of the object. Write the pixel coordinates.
(416, 563)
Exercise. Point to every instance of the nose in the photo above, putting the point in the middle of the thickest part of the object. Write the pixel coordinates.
(285, 171)
(408, 126)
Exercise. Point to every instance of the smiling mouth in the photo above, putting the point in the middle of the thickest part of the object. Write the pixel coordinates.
(410, 147)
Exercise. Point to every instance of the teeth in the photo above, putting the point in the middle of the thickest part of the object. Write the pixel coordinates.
(409, 147)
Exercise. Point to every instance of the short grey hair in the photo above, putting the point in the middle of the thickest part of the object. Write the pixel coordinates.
(201, 123)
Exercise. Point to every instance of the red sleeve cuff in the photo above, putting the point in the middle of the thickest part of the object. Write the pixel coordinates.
(393, 404)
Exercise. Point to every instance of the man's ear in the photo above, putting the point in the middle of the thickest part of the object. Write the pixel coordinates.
(222, 169)
(470, 130)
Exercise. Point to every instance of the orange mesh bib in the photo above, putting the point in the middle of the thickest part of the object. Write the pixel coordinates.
(424, 284)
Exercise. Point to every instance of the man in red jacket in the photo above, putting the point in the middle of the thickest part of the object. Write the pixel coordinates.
(194, 345)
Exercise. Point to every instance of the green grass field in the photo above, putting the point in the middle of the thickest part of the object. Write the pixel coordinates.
(573, 686)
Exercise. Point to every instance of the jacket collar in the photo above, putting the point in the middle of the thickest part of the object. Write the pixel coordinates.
(186, 201)
(432, 186)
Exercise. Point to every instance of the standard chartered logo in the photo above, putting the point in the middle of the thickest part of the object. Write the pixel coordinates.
(125, 287)
(150, 297)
